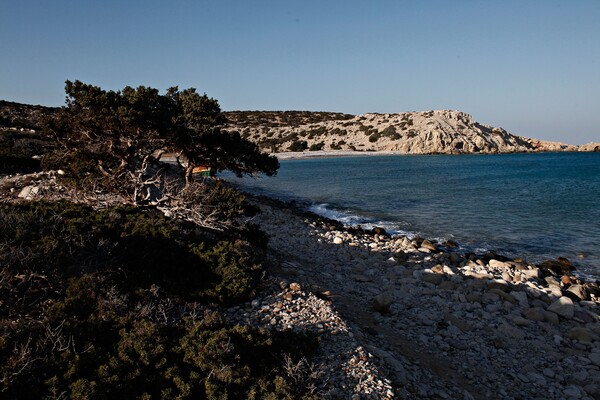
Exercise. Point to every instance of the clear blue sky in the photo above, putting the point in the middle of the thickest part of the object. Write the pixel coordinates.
(531, 67)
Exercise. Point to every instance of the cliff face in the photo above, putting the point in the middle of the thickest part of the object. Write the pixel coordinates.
(428, 132)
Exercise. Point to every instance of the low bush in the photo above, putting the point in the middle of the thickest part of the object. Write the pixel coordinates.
(374, 137)
(117, 303)
(298, 145)
(316, 146)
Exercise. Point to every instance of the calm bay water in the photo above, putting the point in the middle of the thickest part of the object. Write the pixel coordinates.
(537, 206)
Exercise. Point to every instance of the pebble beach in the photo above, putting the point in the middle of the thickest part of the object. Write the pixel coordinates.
(411, 318)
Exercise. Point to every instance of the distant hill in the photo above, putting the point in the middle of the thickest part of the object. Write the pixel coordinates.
(17, 115)
(425, 132)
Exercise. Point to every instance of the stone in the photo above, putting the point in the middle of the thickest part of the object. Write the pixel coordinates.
(561, 266)
(521, 298)
(454, 259)
(595, 358)
(478, 275)
(549, 372)
(581, 334)
(295, 287)
(552, 281)
(507, 331)
(28, 192)
(577, 292)
(438, 269)
(499, 284)
(447, 285)
(458, 322)
(382, 303)
(563, 307)
(499, 264)
(378, 231)
(534, 314)
(572, 391)
(430, 277)
(504, 295)
(551, 317)
(520, 321)
(426, 244)
(533, 273)
(338, 240)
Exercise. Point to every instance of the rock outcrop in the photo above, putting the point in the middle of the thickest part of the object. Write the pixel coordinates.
(427, 132)
(592, 146)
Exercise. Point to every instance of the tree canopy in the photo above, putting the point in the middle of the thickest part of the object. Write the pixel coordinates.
(117, 135)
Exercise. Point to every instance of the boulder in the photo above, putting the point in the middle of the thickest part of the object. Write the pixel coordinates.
(382, 303)
(426, 244)
(493, 263)
(582, 334)
(551, 317)
(559, 267)
(595, 358)
(533, 273)
(499, 284)
(566, 280)
(434, 278)
(577, 293)
(437, 269)
(521, 298)
(534, 314)
(563, 306)
(378, 231)
(552, 281)
(504, 295)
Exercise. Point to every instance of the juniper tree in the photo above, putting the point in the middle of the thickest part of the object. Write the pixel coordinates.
(112, 138)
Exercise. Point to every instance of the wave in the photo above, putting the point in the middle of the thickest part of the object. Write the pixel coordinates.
(354, 219)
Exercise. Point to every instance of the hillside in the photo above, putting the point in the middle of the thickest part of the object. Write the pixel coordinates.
(427, 132)
(24, 116)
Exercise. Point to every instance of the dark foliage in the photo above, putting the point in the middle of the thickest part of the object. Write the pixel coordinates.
(298, 145)
(114, 136)
(96, 304)
(17, 150)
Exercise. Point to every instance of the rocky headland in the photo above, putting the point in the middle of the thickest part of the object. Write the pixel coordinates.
(427, 132)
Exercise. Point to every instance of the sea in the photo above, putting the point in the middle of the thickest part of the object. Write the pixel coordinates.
(535, 206)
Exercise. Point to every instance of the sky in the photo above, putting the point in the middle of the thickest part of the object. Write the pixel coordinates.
(530, 67)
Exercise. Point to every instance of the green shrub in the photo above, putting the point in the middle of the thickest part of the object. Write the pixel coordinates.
(94, 306)
(316, 146)
(374, 137)
(298, 145)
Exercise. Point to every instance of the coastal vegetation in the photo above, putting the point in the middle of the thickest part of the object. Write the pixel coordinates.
(124, 298)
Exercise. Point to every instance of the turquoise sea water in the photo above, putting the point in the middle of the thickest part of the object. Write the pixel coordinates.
(537, 206)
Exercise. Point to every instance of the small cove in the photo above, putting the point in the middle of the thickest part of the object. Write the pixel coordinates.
(536, 206)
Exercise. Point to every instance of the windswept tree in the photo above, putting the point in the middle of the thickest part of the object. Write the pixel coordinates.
(115, 138)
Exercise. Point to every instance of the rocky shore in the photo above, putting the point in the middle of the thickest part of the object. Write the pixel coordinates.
(411, 318)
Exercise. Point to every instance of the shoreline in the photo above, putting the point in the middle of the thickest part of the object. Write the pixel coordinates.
(305, 155)
(472, 325)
